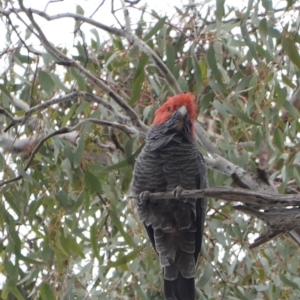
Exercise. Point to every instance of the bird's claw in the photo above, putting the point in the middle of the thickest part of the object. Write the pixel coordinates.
(143, 198)
(177, 192)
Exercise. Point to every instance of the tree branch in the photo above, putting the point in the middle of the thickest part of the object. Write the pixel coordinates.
(248, 180)
(170, 79)
(65, 130)
(274, 210)
(254, 198)
(69, 97)
(63, 59)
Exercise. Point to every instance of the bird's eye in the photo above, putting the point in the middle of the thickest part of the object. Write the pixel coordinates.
(168, 109)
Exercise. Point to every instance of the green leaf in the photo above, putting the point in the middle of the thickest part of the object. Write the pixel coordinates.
(288, 82)
(291, 109)
(138, 79)
(183, 84)
(221, 109)
(211, 58)
(81, 82)
(291, 50)
(14, 290)
(92, 182)
(208, 272)
(68, 116)
(198, 74)
(263, 29)
(220, 9)
(62, 199)
(155, 29)
(278, 139)
(206, 101)
(75, 248)
(203, 68)
(267, 4)
(94, 241)
(111, 58)
(12, 203)
(5, 91)
(161, 41)
(288, 282)
(46, 82)
(240, 115)
(124, 259)
(79, 10)
(249, 42)
(96, 34)
(125, 162)
(10, 269)
(128, 151)
(30, 260)
(46, 292)
(116, 221)
(170, 52)
(80, 200)
(78, 152)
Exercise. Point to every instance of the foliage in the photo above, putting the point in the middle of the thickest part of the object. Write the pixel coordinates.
(68, 230)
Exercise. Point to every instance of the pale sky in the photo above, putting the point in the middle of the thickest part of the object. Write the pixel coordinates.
(60, 32)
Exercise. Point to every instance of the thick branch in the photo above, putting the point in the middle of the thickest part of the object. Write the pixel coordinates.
(245, 179)
(275, 210)
(254, 198)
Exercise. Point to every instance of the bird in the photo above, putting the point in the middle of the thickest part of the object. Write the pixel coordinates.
(171, 162)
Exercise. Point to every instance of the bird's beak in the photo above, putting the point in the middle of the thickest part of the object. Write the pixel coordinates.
(183, 112)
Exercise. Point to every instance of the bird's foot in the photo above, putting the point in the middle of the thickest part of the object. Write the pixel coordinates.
(143, 198)
(177, 192)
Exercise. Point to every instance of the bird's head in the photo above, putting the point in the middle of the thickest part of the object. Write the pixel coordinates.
(177, 113)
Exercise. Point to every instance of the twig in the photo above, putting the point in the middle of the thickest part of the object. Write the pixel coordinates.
(69, 97)
(64, 130)
(4, 112)
(168, 76)
(97, 8)
(52, 1)
(107, 147)
(63, 59)
(126, 17)
(113, 13)
(20, 38)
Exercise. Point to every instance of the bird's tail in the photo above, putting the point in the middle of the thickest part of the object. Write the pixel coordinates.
(179, 289)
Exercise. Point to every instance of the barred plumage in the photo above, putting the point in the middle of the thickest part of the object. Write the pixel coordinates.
(170, 159)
